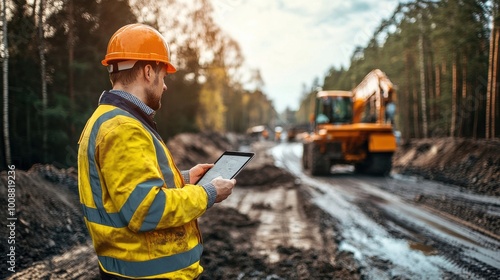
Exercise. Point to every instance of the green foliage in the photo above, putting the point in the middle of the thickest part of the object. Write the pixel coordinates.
(212, 109)
(76, 34)
(454, 38)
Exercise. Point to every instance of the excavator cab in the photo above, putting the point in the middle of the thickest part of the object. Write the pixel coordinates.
(334, 108)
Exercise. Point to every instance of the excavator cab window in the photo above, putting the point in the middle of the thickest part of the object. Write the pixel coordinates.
(334, 110)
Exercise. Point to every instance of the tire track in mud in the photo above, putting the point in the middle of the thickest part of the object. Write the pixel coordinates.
(453, 250)
(464, 266)
(282, 220)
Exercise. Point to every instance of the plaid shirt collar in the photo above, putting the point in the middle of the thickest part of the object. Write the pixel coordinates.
(145, 108)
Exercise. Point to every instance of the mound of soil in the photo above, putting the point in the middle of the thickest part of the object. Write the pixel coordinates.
(189, 149)
(47, 208)
(472, 164)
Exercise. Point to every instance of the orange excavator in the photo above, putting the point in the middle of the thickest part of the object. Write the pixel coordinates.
(353, 127)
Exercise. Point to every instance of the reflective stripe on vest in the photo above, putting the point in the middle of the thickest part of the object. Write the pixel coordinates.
(152, 267)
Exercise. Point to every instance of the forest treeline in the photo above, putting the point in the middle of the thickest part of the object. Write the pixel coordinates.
(443, 57)
(53, 77)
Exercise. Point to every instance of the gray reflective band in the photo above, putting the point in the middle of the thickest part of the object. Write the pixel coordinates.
(98, 216)
(161, 157)
(122, 218)
(152, 267)
(135, 199)
(155, 212)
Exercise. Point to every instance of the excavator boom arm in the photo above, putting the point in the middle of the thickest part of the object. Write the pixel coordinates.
(375, 85)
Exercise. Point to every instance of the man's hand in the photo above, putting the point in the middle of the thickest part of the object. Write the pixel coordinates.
(224, 188)
(197, 171)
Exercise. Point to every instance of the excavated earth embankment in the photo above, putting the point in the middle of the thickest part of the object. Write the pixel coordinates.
(470, 166)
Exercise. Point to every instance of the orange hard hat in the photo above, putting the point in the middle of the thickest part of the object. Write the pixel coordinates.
(135, 42)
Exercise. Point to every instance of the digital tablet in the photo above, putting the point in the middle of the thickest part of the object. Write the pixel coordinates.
(228, 165)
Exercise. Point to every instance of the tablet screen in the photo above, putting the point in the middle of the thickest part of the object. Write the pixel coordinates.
(227, 166)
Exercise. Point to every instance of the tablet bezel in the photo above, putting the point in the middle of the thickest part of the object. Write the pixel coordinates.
(248, 155)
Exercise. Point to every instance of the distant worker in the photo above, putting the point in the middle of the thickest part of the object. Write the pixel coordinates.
(277, 133)
(390, 112)
(265, 134)
(140, 210)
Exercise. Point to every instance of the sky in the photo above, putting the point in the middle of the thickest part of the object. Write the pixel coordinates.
(292, 42)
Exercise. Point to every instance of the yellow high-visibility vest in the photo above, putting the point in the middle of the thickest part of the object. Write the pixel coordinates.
(140, 213)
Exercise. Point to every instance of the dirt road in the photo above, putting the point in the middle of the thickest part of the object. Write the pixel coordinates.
(392, 234)
(395, 227)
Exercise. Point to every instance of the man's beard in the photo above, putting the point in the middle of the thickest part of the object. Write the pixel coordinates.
(152, 99)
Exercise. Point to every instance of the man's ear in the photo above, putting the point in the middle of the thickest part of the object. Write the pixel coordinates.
(148, 72)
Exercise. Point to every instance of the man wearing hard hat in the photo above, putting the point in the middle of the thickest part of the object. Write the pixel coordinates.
(140, 210)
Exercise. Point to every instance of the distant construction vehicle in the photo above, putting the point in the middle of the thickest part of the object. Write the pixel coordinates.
(352, 127)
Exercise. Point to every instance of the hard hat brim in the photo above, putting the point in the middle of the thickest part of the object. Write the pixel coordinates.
(170, 68)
